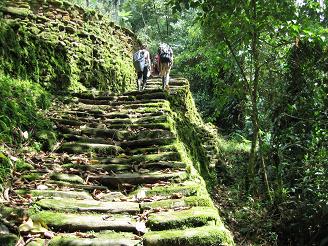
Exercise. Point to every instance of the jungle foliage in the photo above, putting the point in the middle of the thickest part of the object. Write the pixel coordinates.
(258, 71)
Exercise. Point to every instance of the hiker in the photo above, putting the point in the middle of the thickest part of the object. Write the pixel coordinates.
(165, 54)
(155, 70)
(142, 64)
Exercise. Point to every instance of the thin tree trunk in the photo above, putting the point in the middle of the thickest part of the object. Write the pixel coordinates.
(254, 91)
(264, 171)
(159, 29)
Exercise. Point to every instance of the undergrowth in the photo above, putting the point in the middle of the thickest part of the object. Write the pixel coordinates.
(21, 120)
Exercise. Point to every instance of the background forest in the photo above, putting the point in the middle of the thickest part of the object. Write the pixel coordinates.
(258, 72)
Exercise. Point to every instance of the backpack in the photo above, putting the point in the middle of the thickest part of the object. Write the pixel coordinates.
(139, 60)
(165, 53)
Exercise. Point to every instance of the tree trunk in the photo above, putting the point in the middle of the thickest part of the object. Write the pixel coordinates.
(254, 114)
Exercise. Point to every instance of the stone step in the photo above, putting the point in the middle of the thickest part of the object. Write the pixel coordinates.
(104, 238)
(193, 217)
(187, 188)
(106, 102)
(191, 201)
(132, 107)
(130, 147)
(37, 194)
(100, 149)
(145, 158)
(117, 134)
(98, 114)
(138, 178)
(71, 222)
(118, 168)
(155, 94)
(76, 120)
(200, 236)
(74, 205)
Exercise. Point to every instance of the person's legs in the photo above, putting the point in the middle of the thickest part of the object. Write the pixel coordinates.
(144, 77)
(139, 81)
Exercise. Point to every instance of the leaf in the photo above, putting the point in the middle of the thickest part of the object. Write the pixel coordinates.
(26, 226)
(141, 226)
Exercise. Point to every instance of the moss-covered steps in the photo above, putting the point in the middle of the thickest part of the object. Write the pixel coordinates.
(120, 176)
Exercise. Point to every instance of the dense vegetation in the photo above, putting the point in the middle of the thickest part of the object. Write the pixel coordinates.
(258, 71)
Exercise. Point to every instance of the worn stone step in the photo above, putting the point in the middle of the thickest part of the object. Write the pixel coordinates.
(167, 156)
(101, 149)
(64, 185)
(187, 188)
(99, 114)
(70, 222)
(133, 144)
(74, 205)
(118, 135)
(132, 107)
(142, 92)
(37, 194)
(200, 236)
(67, 177)
(75, 120)
(119, 168)
(104, 238)
(138, 178)
(106, 102)
(156, 94)
(191, 201)
(86, 139)
(193, 217)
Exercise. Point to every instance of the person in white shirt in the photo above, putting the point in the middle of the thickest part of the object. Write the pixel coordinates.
(143, 72)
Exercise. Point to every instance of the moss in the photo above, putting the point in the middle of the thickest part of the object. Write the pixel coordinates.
(201, 236)
(67, 177)
(189, 128)
(101, 238)
(16, 11)
(66, 64)
(5, 168)
(192, 201)
(32, 176)
(22, 166)
(8, 239)
(194, 217)
(187, 189)
(47, 139)
(55, 193)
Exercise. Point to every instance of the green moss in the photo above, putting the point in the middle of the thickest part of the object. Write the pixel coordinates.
(8, 239)
(187, 189)
(201, 236)
(101, 238)
(5, 168)
(55, 193)
(190, 130)
(192, 201)
(47, 139)
(32, 176)
(194, 217)
(21, 166)
(16, 11)
(67, 178)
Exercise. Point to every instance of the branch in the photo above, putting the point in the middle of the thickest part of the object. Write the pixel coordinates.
(228, 43)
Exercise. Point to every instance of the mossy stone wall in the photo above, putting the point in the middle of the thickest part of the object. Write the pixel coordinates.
(61, 45)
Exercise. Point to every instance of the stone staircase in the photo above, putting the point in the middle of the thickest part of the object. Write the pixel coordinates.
(120, 176)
